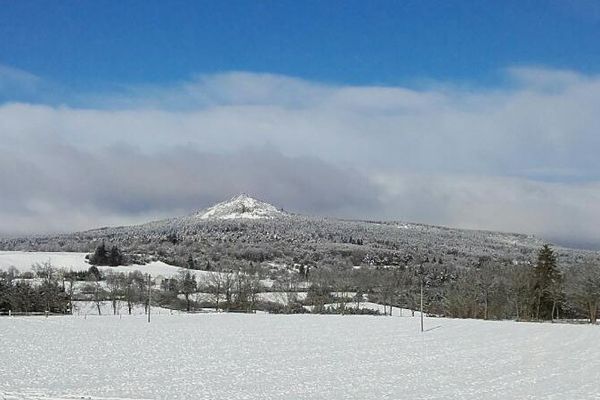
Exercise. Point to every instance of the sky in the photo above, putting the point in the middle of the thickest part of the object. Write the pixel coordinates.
(471, 114)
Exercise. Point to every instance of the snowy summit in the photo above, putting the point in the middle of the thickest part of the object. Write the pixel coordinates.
(241, 206)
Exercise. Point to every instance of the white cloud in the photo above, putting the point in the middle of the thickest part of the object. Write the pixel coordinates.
(558, 211)
(532, 146)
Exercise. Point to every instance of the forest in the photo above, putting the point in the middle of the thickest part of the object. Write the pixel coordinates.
(537, 291)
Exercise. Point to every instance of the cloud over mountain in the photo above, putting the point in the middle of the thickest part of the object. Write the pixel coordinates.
(438, 153)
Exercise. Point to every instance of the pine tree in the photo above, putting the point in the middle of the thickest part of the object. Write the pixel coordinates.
(547, 284)
(100, 256)
(115, 257)
(191, 263)
(94, 272)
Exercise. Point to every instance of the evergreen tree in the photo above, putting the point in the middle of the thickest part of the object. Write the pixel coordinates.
(115, 257)
(100, 256)
(547, 284)
(94, 272)
(191, 263)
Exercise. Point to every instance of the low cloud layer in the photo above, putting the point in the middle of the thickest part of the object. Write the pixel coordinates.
(62, 188)
(521, 157)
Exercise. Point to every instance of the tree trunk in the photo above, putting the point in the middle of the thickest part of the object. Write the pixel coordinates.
(593, 312)
(539, 305)
(485, 308)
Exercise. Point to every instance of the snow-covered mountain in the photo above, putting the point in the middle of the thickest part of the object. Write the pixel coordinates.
(244, 228)
(241, 207)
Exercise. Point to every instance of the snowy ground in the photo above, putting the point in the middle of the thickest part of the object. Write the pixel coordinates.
(24, 261)
(85, 308)
(238, 356)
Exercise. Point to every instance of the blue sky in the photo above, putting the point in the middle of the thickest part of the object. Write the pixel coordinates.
(91, 44)
(479, 114)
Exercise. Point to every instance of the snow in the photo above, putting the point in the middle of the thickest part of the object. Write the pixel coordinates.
(245, 356)
(89, 308)
(24, 261)
(241, 206)
(281, 297)
(366, 305)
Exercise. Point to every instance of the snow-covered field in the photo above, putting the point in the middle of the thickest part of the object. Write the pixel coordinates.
(85, 308)
(24, 261)
(240, 356)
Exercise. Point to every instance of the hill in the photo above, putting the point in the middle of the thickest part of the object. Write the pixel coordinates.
(244, 229)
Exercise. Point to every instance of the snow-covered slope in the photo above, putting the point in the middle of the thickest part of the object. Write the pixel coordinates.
(241, 206)
(25, 260)
(246, 225)
(254, 356)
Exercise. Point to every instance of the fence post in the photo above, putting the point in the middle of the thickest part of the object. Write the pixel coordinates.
(149, 296)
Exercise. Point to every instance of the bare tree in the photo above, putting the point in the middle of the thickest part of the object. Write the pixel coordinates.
(70, 288)
(98, 293)
(343, 285)
(187, 286)
(130, 294)
(583, 286)
(288, 289)
(113, 284)
(520, 287)
(486, 280)
(44, 270)
(228, 282)
(215, 283)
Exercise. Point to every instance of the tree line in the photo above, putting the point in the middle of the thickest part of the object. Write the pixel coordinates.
(489, 289)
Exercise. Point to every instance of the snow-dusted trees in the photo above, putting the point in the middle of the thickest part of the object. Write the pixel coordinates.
(319, 291)
(50, 294)
(488, 276)
(214, 283)
(234, 290)
(343, 286)
(387, 290)
(246, 288)
(102, 256)
(520, 297)
(187, 286)
(463, 299)
(228, 282)
(114, 284)
(97, 291)
(131, 294)
(287, 288)
(583, 285)
(547, 284)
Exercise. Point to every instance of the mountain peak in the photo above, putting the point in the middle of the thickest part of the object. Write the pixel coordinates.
(241, 206)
